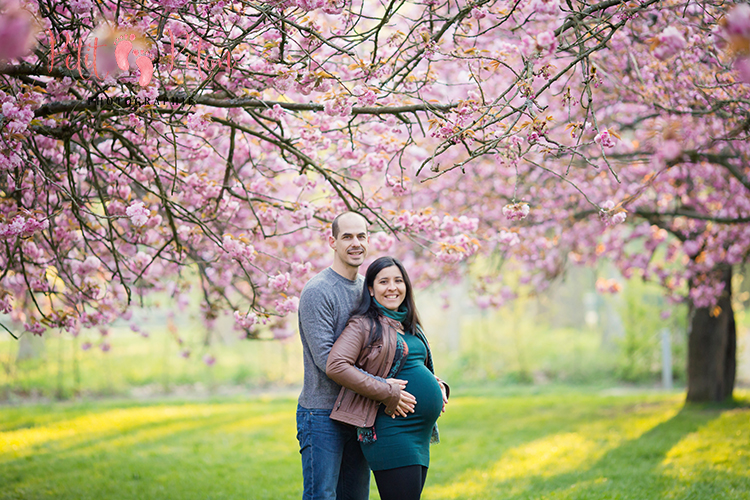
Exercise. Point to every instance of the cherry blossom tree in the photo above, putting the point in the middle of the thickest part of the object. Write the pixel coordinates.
(147, 146)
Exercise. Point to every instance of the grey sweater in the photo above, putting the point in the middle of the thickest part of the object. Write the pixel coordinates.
(325, 305)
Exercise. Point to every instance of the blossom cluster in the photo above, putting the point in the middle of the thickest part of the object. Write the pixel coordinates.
(455, 123)
(516, 211)
(22, 225)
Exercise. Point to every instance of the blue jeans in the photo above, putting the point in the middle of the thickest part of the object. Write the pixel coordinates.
(333, 466)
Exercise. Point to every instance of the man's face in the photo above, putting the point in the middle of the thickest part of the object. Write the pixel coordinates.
(350, 245)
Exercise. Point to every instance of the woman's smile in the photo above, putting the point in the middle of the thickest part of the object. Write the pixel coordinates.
(389, 288)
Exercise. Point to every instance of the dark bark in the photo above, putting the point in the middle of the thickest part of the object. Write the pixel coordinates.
(712, 347)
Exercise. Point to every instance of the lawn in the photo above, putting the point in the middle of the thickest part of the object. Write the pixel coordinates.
(560, 443)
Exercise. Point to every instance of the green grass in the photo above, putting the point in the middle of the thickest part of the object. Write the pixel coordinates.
(559, 443)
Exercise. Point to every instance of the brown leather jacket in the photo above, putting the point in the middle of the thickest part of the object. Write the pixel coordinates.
(361, 394)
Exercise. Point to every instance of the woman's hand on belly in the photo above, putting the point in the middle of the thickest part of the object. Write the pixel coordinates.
(407, 401)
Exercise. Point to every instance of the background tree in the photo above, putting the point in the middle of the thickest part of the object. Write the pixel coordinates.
(141, 140)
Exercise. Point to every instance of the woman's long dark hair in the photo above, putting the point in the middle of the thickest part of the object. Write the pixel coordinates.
(369, 309)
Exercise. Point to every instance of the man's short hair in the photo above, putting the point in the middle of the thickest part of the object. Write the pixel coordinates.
(335, 224)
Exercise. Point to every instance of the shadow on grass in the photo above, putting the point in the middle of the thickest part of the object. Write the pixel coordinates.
(193, 444)
(631, 470)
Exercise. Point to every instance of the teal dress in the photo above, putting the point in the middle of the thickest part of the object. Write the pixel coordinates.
(404, 441)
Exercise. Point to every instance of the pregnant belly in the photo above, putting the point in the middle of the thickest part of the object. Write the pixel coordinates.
(423, 386)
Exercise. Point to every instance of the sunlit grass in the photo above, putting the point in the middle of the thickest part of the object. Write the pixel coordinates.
(564, 444)
(722, 446)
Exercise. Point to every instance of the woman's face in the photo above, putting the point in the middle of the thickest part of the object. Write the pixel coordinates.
(389, 288)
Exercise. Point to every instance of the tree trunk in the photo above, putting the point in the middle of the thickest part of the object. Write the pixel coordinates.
(29, 346)
(712, 348)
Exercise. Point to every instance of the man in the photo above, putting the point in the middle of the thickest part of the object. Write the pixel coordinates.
(333, 467)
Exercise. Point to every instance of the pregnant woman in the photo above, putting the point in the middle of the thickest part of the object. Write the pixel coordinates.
(384, 340)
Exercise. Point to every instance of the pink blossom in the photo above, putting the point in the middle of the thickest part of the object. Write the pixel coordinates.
(376, 162)
(172, 4)
(742, 66)
(449, 225)
(605, 138)
(6, 303)
(17, 32)
(612, 216)
(141, 260)
(365, 96)
(670, 149)
(287, 305)
(543, 45)
(528, 46)
(619, 218)
(239, 249)
(86, 346)
(89, 266)
(479, 12)
(81, 6)
(734, 254)
(281, 332)
(338, 106)
(546, 7)
(468, 224)
(382, 241)
(668, 43)
(334, 7)
(448, 256)
(198, 122)
(508, 238)
(268, 215)
(280, 282)
(516, 211)
(706, 294)
(209, 359)
(282, 83)
(608, 286)
(105, 346)
(34, 327)
(738, 21)
(691, 247)
(301, 180)
(245, 321)
(138, 213)
(310, 4)
(399, 185)
(483, 301)
(303, 213)
(14, 228)
(71, 325)
(547, 40)
(456, 249)
(300, 270)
